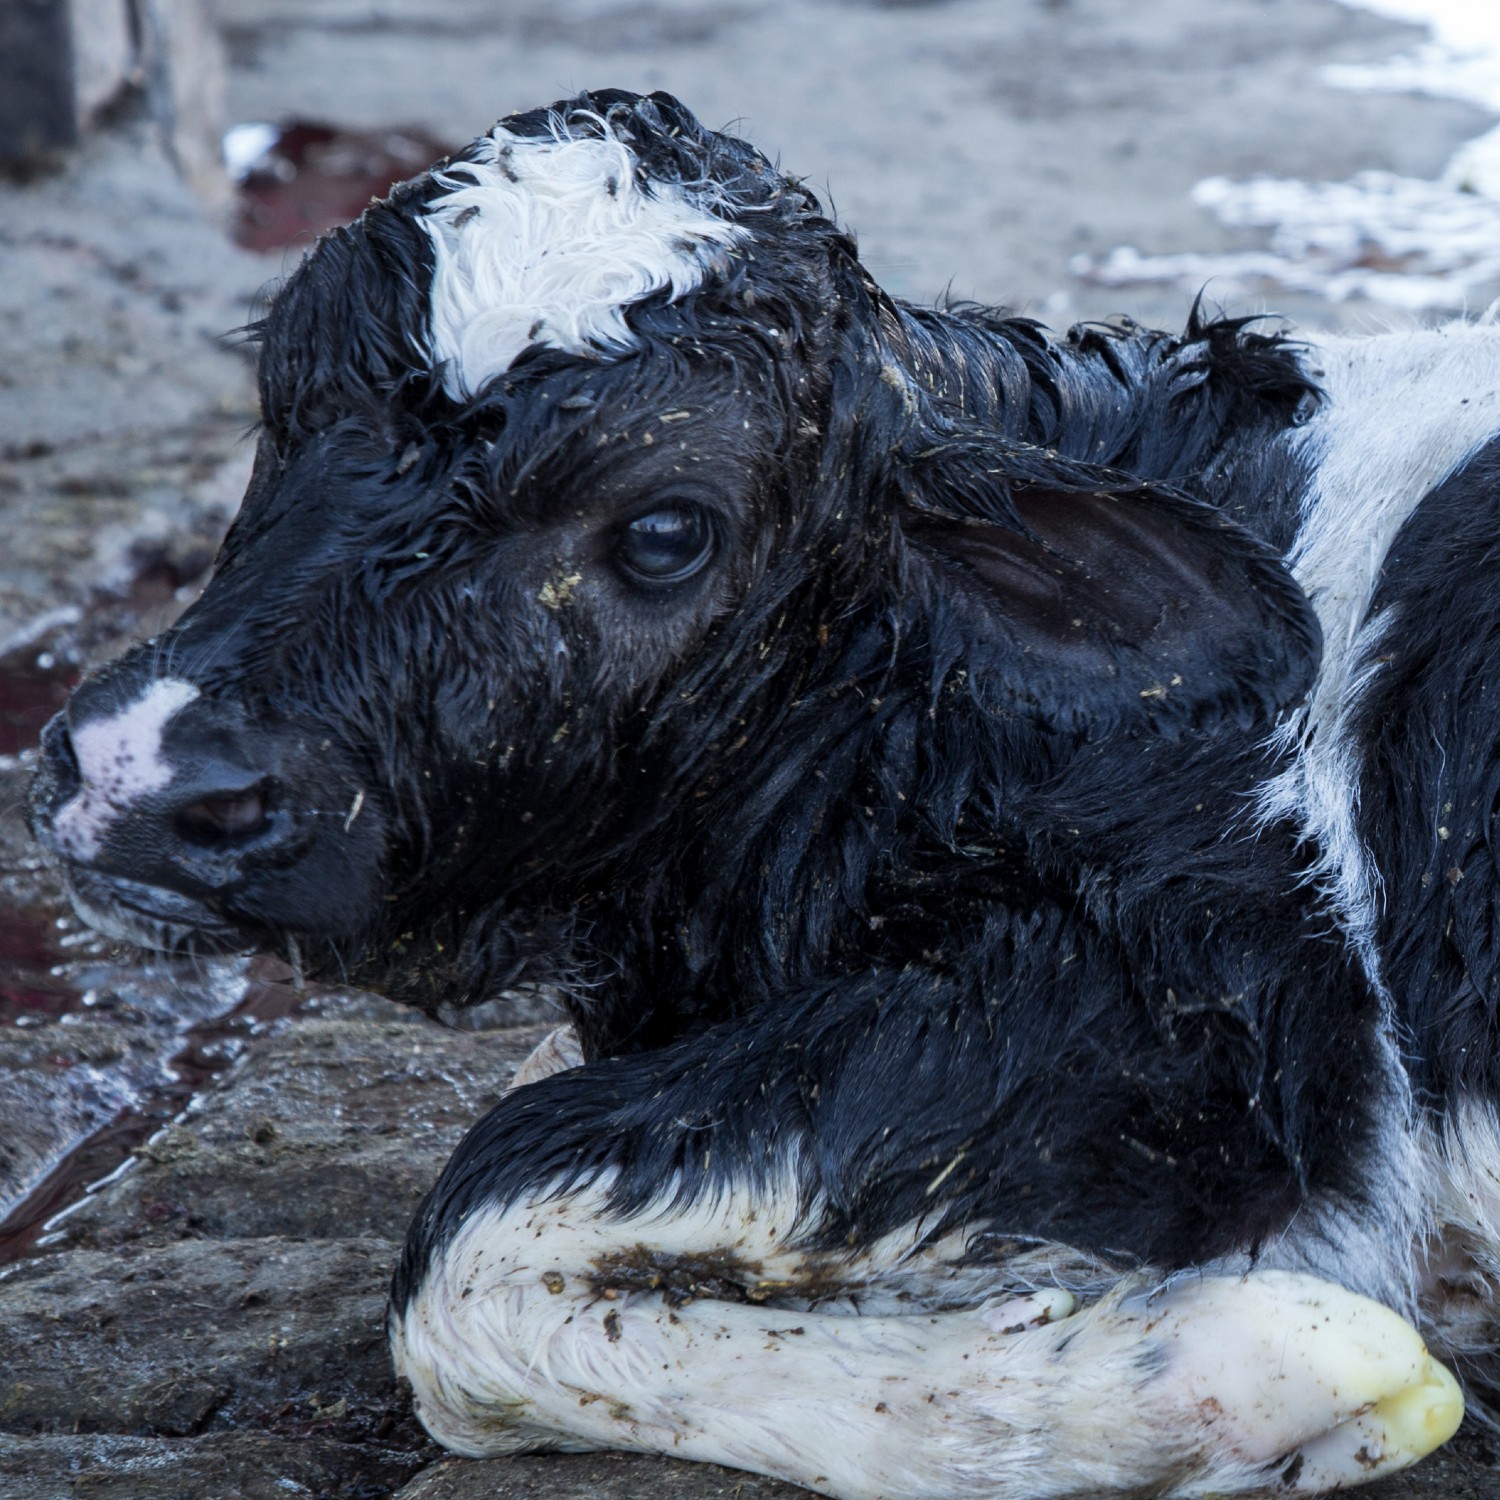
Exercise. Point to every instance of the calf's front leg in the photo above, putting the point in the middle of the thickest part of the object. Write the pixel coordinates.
(636, 1254)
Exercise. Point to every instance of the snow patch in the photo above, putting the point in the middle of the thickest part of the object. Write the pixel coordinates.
(1399, 241)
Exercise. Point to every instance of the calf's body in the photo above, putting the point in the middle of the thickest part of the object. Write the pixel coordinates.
(1010, 818)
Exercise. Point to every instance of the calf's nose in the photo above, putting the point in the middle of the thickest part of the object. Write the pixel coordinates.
(161, 786)
(59, 762)
(186, 814)
(224, 816)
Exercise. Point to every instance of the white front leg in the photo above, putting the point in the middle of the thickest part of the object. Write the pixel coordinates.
(1210, 1385)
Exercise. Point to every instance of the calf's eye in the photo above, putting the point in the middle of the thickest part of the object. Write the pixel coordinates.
(666, 546)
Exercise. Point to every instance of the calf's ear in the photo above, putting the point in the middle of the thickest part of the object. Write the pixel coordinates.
(1105, 607)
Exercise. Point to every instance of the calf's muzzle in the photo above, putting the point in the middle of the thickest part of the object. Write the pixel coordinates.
(180, 815)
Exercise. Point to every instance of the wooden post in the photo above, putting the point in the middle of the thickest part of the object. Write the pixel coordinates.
(63, 62)
(38, 100)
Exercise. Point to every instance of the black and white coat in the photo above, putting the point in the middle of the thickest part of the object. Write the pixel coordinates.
(1030, 952)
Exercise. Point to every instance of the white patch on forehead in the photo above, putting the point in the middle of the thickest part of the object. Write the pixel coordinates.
(120, 760)
(548, 242)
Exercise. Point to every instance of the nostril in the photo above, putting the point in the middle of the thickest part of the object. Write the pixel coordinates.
(219, 820)
(60, 758)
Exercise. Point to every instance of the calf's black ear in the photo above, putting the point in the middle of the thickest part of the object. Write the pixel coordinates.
(1110, 607)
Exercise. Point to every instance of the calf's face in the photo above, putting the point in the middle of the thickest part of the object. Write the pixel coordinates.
(528, 446)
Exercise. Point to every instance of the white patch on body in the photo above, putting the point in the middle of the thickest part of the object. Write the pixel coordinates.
(1403, 412)
(120, 760)
(516, 1340)
(548, 241)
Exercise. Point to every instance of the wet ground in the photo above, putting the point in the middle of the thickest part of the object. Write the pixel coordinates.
(204, 1171)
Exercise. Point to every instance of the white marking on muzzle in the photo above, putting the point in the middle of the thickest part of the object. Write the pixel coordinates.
(548, 242)
(120, 760)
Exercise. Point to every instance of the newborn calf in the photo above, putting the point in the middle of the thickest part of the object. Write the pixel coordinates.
(1033, 950)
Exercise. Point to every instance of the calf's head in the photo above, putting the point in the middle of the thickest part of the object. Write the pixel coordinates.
(598, 487)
